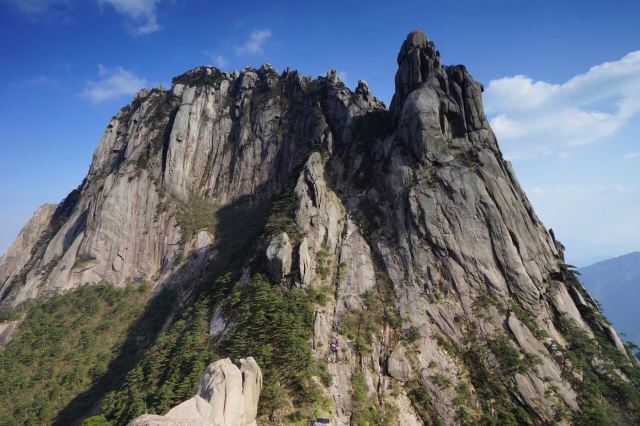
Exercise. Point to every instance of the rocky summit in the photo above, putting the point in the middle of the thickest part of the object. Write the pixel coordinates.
(382, 266)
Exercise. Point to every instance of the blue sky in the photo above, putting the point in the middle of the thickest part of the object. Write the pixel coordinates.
(562, 83)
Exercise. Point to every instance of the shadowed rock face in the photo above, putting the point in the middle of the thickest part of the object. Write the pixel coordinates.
(414, 204)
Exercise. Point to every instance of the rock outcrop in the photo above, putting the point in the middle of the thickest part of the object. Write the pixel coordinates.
(279, 257)
(6, 332)
(20, 252)
(449, 299)
(226, 396)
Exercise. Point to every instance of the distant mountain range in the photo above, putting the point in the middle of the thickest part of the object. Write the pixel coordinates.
(615, 283)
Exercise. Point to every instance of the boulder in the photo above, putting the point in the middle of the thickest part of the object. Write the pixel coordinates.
(226, 396)
(279, 257)
(154, 420)
(251, 387)
(194, 408)
(6, 332)
(221, 386)
(398, 366)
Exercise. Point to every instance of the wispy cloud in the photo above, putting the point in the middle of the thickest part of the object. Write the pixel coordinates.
(40, 9)
(142, 14)
(112, 84)
(632, 156)
(534, 118)
(217, 60)
(255, 43)
(536, 190)
(42, 80)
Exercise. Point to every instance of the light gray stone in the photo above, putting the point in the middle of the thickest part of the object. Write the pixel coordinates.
(226, 396)
(195, 408)
(251, 388)
(398, 365)
(155, 420)
(6, 332)
(278, 255)
(221, 386)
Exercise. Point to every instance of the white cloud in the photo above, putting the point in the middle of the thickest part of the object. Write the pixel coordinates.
(141, 13)
(112, 84)
(218, 61)
(534, 118)
(255, 44)
(632, 156)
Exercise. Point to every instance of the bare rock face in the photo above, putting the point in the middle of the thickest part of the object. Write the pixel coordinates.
(17, 256)
(279, 257)
(164, 166)
(399, 367)
(226, 396)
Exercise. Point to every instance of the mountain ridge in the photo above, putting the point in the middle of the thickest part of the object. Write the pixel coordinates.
(295, 215)
(615, 283)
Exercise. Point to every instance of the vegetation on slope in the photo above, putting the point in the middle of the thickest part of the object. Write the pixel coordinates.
(168, 372)
(274, 324)
(608, 384)
(65, 343)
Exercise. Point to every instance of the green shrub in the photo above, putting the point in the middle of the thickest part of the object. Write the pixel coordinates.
(527, 319)
(366, 410)
(8, 313)
(605, 399)
(195, 215)
(282, 217)
(412, 334)
(511, 360)
(274, 325)
(96, 421)
(325, 375)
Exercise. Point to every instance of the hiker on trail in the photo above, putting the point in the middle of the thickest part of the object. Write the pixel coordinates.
(334, 349)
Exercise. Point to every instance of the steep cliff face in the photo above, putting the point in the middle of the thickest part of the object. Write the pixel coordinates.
(425, 264)
(165, 164)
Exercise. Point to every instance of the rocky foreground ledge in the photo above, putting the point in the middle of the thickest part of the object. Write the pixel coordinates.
(226, 396)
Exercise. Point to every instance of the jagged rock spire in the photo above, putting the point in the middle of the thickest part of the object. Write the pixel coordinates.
(448, 105)
(418, 64)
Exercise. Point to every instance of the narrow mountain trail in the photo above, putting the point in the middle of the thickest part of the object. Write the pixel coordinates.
(341, 385)
(338, 390)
